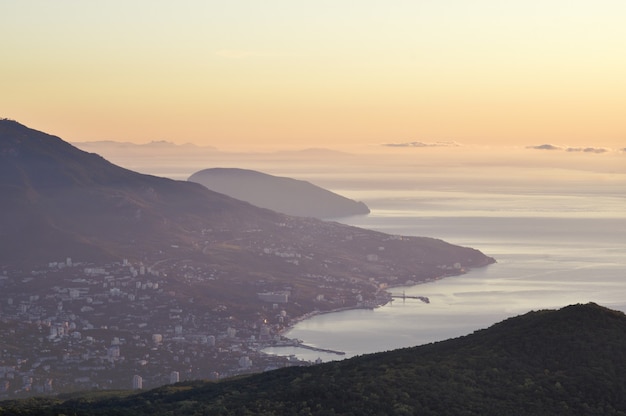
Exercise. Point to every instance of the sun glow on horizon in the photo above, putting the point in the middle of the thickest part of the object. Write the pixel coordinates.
(345, 75)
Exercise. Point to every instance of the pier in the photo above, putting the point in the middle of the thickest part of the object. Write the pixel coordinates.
(309, 347)
(298, 344)
(403, 296)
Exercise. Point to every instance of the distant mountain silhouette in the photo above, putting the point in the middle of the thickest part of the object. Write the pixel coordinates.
(566, 362)
(286, 195)
(155, 145)
(58, 201)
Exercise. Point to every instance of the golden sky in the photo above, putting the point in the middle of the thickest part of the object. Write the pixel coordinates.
(270, 74)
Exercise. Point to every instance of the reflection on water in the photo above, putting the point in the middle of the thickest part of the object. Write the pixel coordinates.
(543, 262)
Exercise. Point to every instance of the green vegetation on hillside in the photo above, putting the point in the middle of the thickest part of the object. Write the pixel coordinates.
(571, 361)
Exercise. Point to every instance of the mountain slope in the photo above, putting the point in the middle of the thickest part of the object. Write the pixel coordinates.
(290, 196)
(58, 202)
(571, 361)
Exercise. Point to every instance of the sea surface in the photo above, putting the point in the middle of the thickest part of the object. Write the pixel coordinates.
(552, 250)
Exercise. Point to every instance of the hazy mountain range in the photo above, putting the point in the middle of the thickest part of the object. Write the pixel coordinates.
(281, 194)
(59, 201)
(158, 145)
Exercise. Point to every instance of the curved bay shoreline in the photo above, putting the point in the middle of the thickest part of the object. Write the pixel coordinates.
(384, 297)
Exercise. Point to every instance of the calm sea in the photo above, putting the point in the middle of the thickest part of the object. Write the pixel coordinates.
(551, 251)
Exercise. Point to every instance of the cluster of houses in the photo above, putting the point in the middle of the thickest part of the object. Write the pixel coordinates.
(73, 326)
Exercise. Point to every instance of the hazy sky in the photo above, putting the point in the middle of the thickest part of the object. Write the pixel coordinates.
(240, 74)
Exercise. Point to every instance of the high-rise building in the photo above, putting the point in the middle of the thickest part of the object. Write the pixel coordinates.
(174, 377)
(137, 382)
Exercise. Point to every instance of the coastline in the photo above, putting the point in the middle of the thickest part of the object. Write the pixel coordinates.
(382, 298)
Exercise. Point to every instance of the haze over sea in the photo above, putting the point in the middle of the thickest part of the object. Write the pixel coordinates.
(551, 250)
(555, 221)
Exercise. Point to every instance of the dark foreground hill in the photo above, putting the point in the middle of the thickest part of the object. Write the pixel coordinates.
(286, 195)
(566, 362)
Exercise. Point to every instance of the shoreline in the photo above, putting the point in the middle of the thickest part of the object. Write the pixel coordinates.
(384, 300)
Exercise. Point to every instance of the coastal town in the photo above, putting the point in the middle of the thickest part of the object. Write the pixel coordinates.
(76, 326)
(112, 279)
(175, 315)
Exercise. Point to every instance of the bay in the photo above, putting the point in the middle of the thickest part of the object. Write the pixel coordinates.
(551, 251)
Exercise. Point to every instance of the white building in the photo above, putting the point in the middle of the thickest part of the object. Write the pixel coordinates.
(245, 362)
(174, 377)
(137, 382)
(274, 297)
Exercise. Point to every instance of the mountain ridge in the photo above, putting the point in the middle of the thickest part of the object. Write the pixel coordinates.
(278, 193)
(62, 202)
(67, 184)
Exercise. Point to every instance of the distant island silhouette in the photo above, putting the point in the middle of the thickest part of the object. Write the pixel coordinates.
(281, 194)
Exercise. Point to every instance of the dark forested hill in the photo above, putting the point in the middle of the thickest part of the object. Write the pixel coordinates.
(566, 362)
(287, 195)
